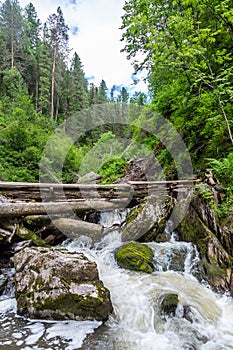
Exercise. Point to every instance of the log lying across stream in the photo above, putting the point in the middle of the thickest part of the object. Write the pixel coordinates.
(24, 191)
(60, 201)
(23, 199)
(38, 208)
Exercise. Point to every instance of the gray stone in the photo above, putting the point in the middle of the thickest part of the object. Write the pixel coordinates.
(147, 221)
(57, 284)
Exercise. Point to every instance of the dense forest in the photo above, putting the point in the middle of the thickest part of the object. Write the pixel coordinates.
(187, 49)
(41, 85)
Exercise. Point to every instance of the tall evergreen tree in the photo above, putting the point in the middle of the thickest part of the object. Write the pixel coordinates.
(3, 50)
(33, 41)
(12, 25)
(78, 94)
(124, 96)
(59, 40)
(102, 92)
(44, 66)
(93, 93)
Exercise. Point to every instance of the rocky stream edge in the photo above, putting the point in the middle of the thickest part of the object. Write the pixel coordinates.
(53, 283)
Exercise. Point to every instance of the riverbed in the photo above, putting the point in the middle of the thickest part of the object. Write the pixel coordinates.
(136, 323)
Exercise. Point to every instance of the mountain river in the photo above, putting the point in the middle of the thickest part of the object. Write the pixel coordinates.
(136, 323)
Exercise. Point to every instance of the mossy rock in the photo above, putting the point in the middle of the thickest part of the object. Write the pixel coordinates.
(56, 284)
(135, 256)
(147, 221)
(168, 304)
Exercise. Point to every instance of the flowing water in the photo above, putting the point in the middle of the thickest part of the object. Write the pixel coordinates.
(136, 323)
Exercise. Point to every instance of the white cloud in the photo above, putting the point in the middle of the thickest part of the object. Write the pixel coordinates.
(98, 39)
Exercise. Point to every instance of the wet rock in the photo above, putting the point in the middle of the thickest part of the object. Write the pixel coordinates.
(17, 246)
(200, 226)
(147, 221)
(135, 256)
(58, 285)
(3, 282)
(168, 304)
(188, 314)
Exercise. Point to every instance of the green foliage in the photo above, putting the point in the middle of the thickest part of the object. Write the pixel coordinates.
(113, 169)
(206, 194)
(223, 169)
(187, 49)
(12, 84)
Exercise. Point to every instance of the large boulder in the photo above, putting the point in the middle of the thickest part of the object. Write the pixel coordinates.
(57, 284)
(135, 256)
(147, 221)
(214, 242)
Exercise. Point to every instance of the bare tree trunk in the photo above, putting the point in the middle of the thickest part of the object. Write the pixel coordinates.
(53, 80)
(12, 39)
(37, 95)
(225, 117)
(25, 209)
(57, 108)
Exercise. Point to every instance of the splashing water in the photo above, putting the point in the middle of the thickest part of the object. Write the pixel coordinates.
(136, 323)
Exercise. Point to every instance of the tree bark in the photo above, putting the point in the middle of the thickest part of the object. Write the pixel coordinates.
(76, 228)
(12, 39)
(25, 209)
(53, 80)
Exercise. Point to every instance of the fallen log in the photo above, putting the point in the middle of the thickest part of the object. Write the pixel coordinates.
(76, 228)
(13, 191)
(61, 192)
(38, 208)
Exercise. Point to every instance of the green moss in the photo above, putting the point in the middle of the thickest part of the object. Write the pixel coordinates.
(135, 256)
(134, 213)
(169, 304)
(28, 235)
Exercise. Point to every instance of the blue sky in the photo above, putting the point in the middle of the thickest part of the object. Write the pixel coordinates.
(97, 39)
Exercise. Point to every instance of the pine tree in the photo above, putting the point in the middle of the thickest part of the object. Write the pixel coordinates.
(124, 96)
(93, 93)
(113, 89)
(3, 51)
(78, 99)
(12, 25)
(44, 62)
(33, 41)
(102, 92)
(59, 39)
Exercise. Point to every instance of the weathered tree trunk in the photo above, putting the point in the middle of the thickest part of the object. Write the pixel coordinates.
(76, 228)
(53, 80)
(61, 192)
(24, 209)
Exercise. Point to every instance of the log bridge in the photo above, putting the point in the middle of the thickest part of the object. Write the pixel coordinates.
(22, 199)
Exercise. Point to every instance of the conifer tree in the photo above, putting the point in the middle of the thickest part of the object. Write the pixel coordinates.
(59, 40)
(102, 92)
(44, 66)
(12, 26)
(32, 50)
(78, 94)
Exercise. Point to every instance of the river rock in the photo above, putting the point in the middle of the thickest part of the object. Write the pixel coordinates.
(57, 284)
(135, 256)
(168, 304)
(3, 282)
(146, 222)
(202, 227)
